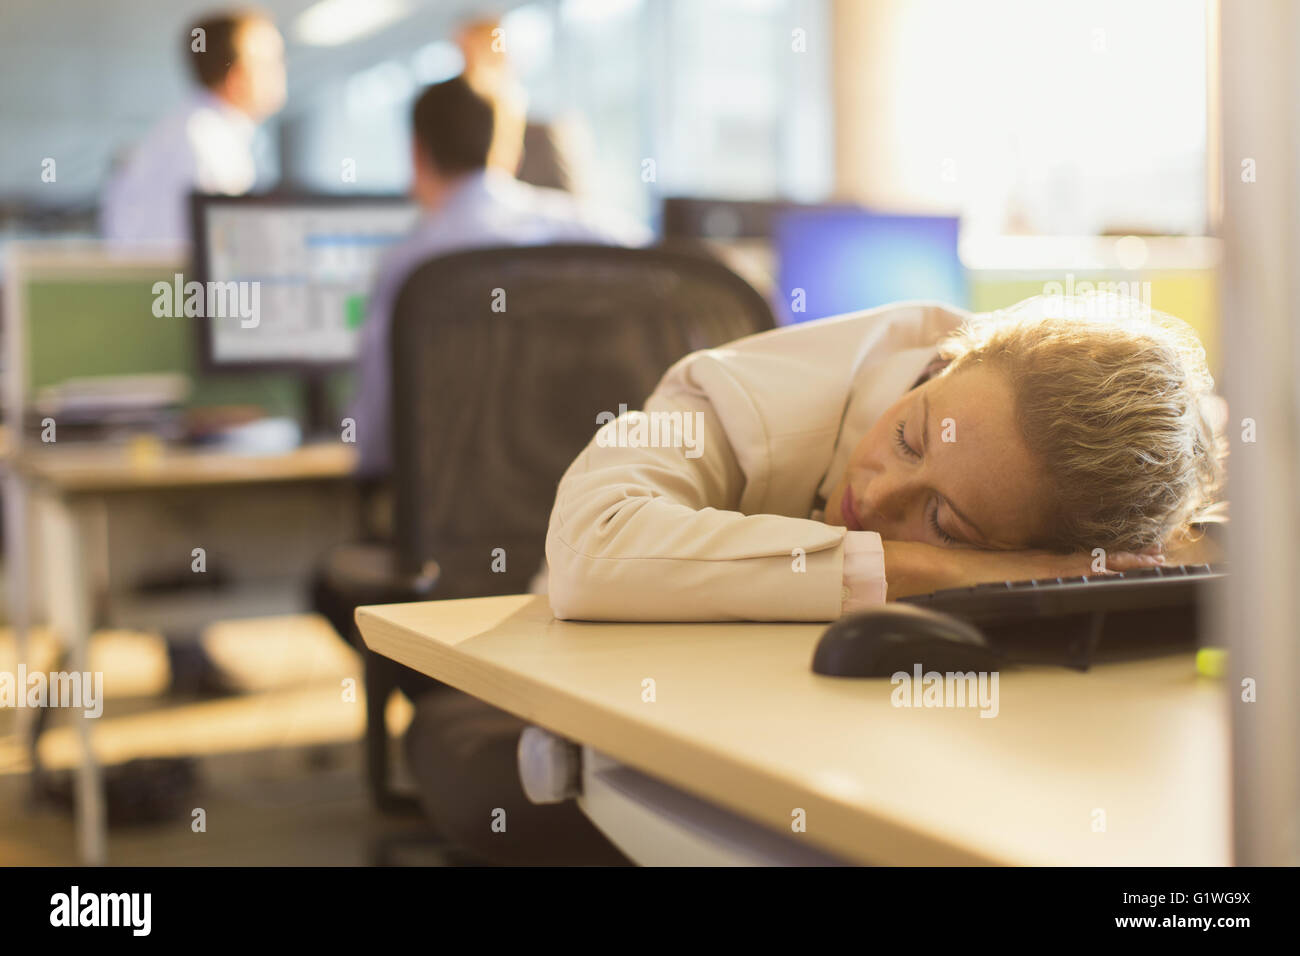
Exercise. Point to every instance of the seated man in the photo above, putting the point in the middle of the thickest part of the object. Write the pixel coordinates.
(465, 204)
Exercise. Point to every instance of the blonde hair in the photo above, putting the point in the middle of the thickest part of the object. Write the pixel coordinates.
(1116, 402)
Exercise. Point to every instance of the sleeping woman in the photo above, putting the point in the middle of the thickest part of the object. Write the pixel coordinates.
(823, 468)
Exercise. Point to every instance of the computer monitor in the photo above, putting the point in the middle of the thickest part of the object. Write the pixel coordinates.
(739, 232)
(843, 259)
(312, 259)
(720, 220)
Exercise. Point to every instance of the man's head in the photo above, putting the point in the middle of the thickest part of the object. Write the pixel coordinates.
(239, 57)
(1043, 432)
(452, 126)
(482, 47)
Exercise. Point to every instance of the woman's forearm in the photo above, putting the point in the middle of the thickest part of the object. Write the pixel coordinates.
(915, 568)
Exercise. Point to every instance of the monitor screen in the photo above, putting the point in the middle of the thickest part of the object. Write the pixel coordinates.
(308, 263)
(837, 260)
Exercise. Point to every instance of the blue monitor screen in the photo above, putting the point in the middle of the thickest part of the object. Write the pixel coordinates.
(848, 259)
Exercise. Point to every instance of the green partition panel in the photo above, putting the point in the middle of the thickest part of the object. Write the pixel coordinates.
(1192, 295)
(106, 326)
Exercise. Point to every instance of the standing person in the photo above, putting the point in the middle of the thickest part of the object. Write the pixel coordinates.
(237, 60)
(542, 154)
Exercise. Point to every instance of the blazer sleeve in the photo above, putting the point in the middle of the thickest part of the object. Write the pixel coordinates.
(653, 534)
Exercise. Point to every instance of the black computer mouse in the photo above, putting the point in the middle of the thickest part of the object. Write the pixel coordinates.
(896, 637)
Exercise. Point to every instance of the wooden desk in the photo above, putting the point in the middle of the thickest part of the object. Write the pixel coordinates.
(742, 722)
(95, 469)
(67, 485)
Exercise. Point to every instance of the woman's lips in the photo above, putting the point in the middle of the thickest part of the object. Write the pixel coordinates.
(848, 512)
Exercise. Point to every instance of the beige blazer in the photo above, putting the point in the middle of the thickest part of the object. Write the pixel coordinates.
(697, 508)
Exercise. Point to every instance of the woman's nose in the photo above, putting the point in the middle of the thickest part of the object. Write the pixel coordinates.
(886, 501)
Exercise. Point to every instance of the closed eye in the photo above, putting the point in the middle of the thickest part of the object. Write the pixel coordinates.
(944, 536)
(902, 444)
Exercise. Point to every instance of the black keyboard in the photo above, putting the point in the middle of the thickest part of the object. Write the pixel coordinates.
(1003, 602)
(1065, 620)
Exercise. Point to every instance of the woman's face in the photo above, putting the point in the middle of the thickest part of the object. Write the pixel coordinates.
(946, 465)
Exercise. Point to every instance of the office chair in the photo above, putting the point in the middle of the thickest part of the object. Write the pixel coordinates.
(501, 360)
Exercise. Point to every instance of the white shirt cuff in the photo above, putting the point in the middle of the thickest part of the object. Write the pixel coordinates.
(864, 571)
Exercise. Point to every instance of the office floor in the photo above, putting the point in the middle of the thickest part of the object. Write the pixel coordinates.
(279, 764)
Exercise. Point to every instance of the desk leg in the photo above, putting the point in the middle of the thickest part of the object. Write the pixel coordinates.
(69, 529)
(17, 566)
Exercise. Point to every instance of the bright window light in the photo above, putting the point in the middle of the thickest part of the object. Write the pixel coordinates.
(334, 22)
(437, 61)
(597, 11)
(530, 37)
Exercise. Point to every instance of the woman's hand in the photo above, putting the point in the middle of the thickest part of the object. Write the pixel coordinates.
(915, 568)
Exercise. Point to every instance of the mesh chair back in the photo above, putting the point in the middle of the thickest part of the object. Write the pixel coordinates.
(502, 359)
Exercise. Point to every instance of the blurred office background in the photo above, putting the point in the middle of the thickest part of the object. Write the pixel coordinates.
(1067, 119)
(857, 151)
(1038, 126)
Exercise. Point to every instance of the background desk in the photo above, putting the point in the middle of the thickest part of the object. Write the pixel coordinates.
(98, 469)
(67, 486)
(740, 720)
